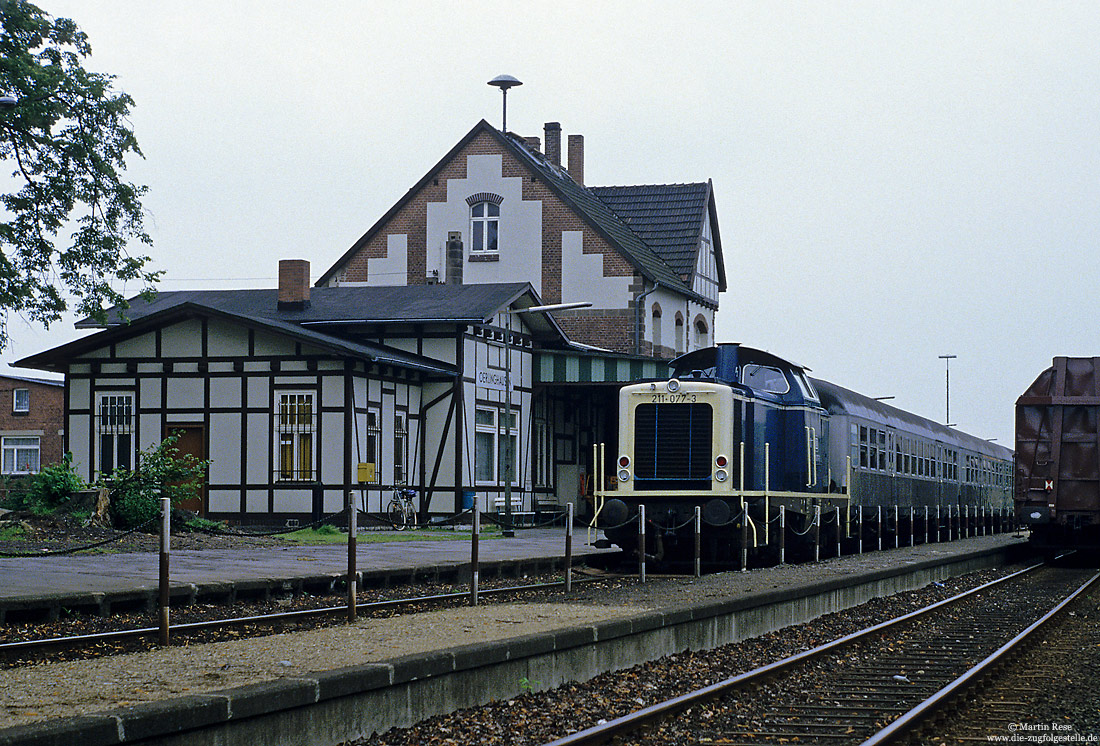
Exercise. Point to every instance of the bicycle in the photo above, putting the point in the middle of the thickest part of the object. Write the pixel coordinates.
(401, 512)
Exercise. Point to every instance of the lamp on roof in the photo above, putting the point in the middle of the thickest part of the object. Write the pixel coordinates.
(504, 82)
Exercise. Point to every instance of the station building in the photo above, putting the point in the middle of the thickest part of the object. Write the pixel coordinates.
(400, 363)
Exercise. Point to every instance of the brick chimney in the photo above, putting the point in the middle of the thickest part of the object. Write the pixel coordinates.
(293, 284)
(534, 143)
(552, 130)
(576, 158)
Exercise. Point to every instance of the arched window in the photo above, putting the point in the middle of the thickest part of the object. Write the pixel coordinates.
(702, 336)
(484, 220)
(679, 333)
(656, 330)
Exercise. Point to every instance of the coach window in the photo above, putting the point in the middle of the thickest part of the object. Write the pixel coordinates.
(115, 431)
(863, 446)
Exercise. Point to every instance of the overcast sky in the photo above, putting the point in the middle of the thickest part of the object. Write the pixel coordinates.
(894, 181)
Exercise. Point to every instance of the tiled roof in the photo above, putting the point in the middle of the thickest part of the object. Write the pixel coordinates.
(667, 217)
(603, 217)
(392, 304)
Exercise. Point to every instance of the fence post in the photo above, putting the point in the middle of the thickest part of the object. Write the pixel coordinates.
(837, 509)
(698, 541)
(817, 533)
(937, 524)
(782, 534)
(859, 529)
(897, 527)
(474, 560)
(879, 518)
(568, 547)
(641, 543)
(353, 580)
(165, 550)
(912, 527)
(925, 524)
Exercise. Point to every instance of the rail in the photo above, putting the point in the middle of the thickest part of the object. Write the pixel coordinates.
(620, 726)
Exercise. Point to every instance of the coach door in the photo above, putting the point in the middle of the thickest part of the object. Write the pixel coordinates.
(191, 441)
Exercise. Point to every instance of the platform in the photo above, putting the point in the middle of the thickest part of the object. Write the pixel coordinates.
(39, 587)
(335, 684)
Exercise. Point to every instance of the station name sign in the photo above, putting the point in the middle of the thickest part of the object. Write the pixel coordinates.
(491, 379)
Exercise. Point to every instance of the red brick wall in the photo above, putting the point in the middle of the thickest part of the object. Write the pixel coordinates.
(47, 414)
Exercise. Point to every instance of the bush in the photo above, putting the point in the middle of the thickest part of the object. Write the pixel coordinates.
(162, 471)
(49, 489)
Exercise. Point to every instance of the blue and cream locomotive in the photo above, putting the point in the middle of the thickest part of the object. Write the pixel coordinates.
(736, 427)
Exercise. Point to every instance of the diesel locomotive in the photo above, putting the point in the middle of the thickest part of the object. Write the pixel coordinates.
(738, 427)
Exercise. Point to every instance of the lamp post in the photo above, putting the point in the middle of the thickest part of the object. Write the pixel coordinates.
(7, 102)
(508, 456)
(947, 363)
(504, 82)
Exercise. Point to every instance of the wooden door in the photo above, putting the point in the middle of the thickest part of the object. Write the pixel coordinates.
(191, 441)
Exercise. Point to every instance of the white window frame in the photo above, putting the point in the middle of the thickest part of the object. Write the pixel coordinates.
(492, 431)
(480, 227)
(115, 431)
(13, 446)
(295, 436)
(21, 401)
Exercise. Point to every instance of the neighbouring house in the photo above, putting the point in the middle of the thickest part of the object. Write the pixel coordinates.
(414, 359)
(32, 430)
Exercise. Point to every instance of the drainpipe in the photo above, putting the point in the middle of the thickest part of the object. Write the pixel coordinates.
(639, 318)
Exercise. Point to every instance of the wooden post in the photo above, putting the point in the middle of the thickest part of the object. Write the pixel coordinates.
(838, 531)
(568, 547)
(353, 579)
(641, 543)
(817, 533)
(165, 551)
(782, 534)
(859, 529)
(912, 527)
(474, 559)
(937, 524)
(897, 527)
(880, 528)
(698, 541)
(925, 524)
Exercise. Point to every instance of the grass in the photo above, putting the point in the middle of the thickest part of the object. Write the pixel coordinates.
(331, 535)
(13, 533)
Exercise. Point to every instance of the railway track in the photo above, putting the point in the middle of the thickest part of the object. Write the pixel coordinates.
(874, 686)
(25, 651)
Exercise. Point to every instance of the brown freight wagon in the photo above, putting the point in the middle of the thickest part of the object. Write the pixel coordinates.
(1057, 490)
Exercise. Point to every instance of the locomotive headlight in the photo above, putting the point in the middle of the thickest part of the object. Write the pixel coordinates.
(624, 475)
(673, 385)
(721, 475)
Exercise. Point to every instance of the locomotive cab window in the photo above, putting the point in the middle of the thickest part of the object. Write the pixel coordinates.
(765, 378)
